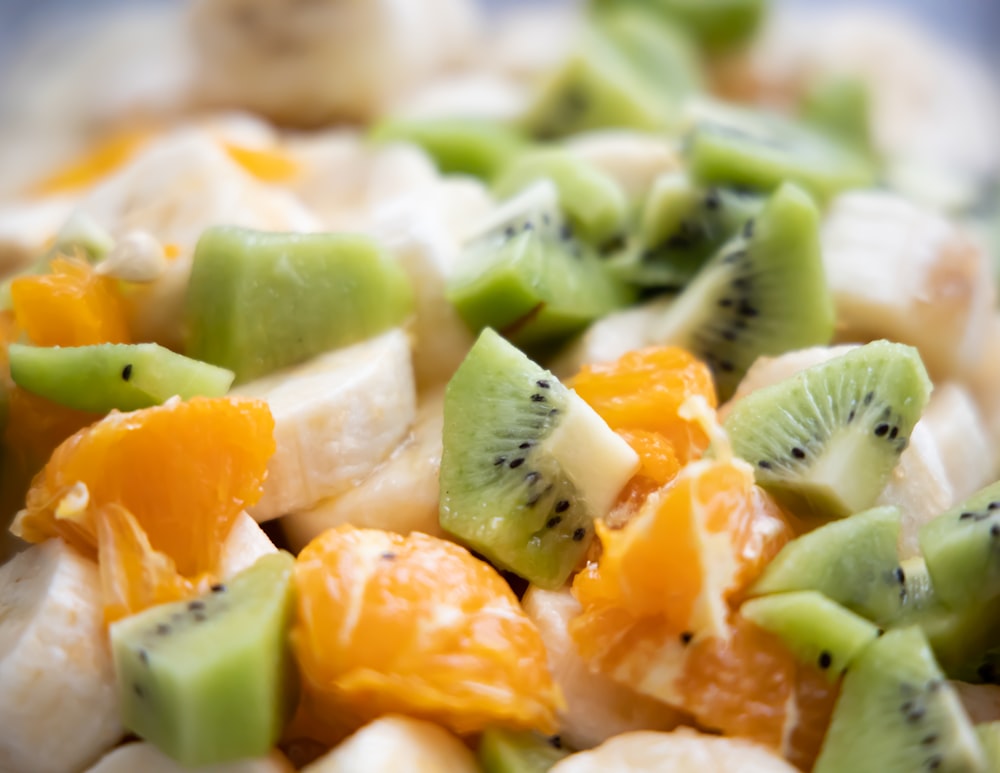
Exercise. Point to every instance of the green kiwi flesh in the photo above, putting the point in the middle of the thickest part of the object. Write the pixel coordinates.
(526, 465)
(474, 146)
(528, 276)
(763, 292)
(989, 737)
(717, 25)
(818, 631)
(826, 440)
(897, 714)
(762, 152)
(212, 680)
(105, 377)
(841, 107)
(962, 549)
(854, 562)
(258, 302)
(509, 751)
(592, 201)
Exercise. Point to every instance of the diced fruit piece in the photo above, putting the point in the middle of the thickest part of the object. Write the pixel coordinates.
(528, 277)
(633, 159)
(958, 432)
(503, 751)
(393, 744)
(762, 293)
(897, 714)
(527, 465)
(762, 152)
(854, 562)
(961, 639)
(147, 758)
(716, 25)
(989, 739)
(260, 301)
(336, 419)
(58, 707)
(475, 146)
(104, 377)
(826, 440)
(681, 750)
(962, 549)
(212, 680)
(818, 631)
(592, 201)
(841, 107)
(682, 226)
(596, 87)
(767, 371)
(415, 625)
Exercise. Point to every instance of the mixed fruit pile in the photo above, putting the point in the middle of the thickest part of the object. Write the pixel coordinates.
(640, 431)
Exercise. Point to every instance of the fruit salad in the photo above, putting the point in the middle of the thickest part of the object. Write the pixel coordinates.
(405, 387)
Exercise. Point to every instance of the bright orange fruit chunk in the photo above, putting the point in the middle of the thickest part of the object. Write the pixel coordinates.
(95, 164)
(418, 626)
(69, 306)
(183, 470)
(271, 166)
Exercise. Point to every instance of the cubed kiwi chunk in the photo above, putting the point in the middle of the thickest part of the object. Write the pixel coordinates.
(596, 87)
(511, 751)
(763, 292)
(761, 151)
(854, 562)
(818, 631)
(682, 225)
(474, 146)
(528, 276)
(258, 301)
(826, 440)
(841, 107)
(592, 201)
(105, 377)
(527, 465)
(212, 680)
(962, 549)
(897, 714)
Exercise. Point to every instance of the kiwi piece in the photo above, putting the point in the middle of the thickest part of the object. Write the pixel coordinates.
(841, 107)
(826, 440)
(962, 549)
(212, 680)
(528, 276)
(593, 202)
(105, 377)
(988, 734)
(474, 146)
(763, 292)
(510, 751)
(761, 151)
(527, 465)
(258, 302)
(897, 714)
(854, 562)
(817, 630)
(596, 87)
(682, 225)
(716, 25)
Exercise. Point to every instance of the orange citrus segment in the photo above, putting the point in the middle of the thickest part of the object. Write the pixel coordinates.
(271, 166)
(418, 626)
(70, 306)
(184, 470)
(94, 165)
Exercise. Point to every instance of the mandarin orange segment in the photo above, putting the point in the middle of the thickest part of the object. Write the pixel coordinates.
(184, 470)
(69, 306)
(658, 465)
(271, 166)
(644, 390)
(95, 164)
(418, 626)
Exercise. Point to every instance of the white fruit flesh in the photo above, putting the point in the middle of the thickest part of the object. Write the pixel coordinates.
(393, 744)
(959, 432)
(633, 159)
(146, 758)
(597, 707)
(245, 543)
(682, 751)
(26, 227)
(58, 701)
(400, 496)
(983, 377)
(336, 418)
(475, 94)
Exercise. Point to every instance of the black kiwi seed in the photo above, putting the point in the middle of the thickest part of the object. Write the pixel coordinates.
(900, 575)
(916, 714)
(798, 453)
(825, 660)
(515, 463)
(566, 231)
(850, 416)
(543, 384)
(764, 465)
(725, 303)
(966, 516)
(868, 398)
(881, 430)
(144, 657)
(893, 433)
(993, 506)
(562, 505)
(934, 763)
(995, 530)
(747, 310)
(127, 372)
(162, 629)
(555, 742)
(929, 740)
(686, 638)
(579, 534)
(537, 398)
(218, 588)
(749, 228)
(509, 232)
(712, 200)
(499, 460)
(196, 606)
(554, 521)
(525, 444)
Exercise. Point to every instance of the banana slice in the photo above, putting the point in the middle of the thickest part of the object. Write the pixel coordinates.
(597, 707)
(400, 496)
(58, 703)
(245, 543)
(392, 744)
(682, 751)
(337, 418)
(634, 159)
(144, 757)
(900, 272)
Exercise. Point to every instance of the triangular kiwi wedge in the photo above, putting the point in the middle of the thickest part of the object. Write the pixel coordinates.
(825, 441)
(763, 292)
(509, 751)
